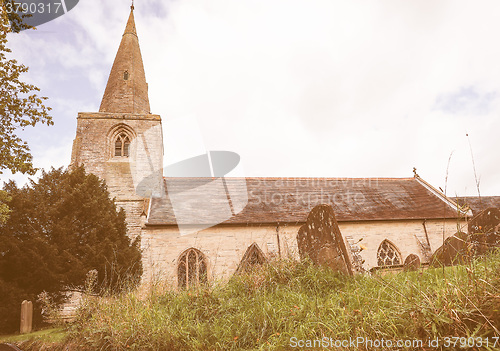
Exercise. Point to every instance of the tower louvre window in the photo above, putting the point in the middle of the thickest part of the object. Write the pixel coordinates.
(122, 145)
(125, 75)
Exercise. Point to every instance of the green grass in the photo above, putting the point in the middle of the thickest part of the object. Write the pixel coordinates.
(264, 309)
(45, 335)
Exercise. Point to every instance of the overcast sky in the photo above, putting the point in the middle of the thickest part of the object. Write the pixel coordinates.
(316, 88)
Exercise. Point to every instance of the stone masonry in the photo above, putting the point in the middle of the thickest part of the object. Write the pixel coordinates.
(134, 178)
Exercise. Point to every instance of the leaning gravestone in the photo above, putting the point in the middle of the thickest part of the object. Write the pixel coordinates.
(412, 263)
(484, 230)
(453, 251)
(320, 240)
(26, 317)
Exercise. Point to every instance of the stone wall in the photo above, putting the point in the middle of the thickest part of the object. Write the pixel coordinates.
(225, 245)
(129, 179)
(94, 147)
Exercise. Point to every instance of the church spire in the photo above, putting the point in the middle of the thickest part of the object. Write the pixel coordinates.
(127, 90)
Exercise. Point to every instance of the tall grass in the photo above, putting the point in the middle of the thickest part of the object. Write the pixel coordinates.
(263, 309)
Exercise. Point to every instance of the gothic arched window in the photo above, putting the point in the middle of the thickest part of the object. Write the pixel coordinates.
(388, 254)
(122, 145)
(252, 257)
(192, 269)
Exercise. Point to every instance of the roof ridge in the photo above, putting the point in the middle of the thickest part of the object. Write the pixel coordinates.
(279, 178)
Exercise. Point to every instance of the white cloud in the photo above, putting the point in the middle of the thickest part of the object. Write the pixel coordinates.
(316, 88)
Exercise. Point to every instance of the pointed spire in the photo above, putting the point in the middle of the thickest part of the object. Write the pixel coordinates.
(127, 90)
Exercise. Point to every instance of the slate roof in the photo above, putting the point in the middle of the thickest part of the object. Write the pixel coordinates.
(289, 200)
(477, 204)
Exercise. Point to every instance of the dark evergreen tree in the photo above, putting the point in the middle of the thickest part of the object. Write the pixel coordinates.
(59, 229)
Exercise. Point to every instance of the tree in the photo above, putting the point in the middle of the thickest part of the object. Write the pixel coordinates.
(4, 208)
(58, 230)
(20, 106)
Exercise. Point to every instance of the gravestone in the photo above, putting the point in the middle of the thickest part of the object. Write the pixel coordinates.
(320, 240)
(453, 251)
(412, 263)
(26, 317)
(484, 230)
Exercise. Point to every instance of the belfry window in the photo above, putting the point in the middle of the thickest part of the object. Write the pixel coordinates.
(192, 269)
(125, 75)
(388, 254)
(122, 145)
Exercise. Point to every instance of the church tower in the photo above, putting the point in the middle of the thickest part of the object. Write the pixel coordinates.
(122, 143)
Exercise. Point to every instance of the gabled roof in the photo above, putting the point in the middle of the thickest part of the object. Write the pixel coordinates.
(127, 90)
(477, 204)
(289, 200)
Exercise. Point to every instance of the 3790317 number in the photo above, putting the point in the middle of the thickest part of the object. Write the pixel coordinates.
(40, 7)
(469, 342)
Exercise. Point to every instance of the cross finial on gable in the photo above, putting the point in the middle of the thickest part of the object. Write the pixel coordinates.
(132, 6)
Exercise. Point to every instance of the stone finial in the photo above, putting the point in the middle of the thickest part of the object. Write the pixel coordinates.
(415, 172)
(320, 240)
(127, 90)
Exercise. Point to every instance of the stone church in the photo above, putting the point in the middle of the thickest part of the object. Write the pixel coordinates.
(209, 227)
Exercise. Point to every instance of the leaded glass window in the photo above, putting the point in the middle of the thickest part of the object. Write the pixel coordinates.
(388, 254)
(122, 145)
(192, 269)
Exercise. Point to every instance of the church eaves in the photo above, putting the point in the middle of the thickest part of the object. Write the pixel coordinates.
(127, 90)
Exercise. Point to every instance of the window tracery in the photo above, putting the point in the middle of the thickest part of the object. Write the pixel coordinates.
(191, 269)
(122, 145)
(388, 254)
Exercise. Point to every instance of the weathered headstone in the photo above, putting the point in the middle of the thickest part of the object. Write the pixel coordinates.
(453, 251)
(26, 317)
(484, 230)
(412, 263)
(9, 347)
(320, 240)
